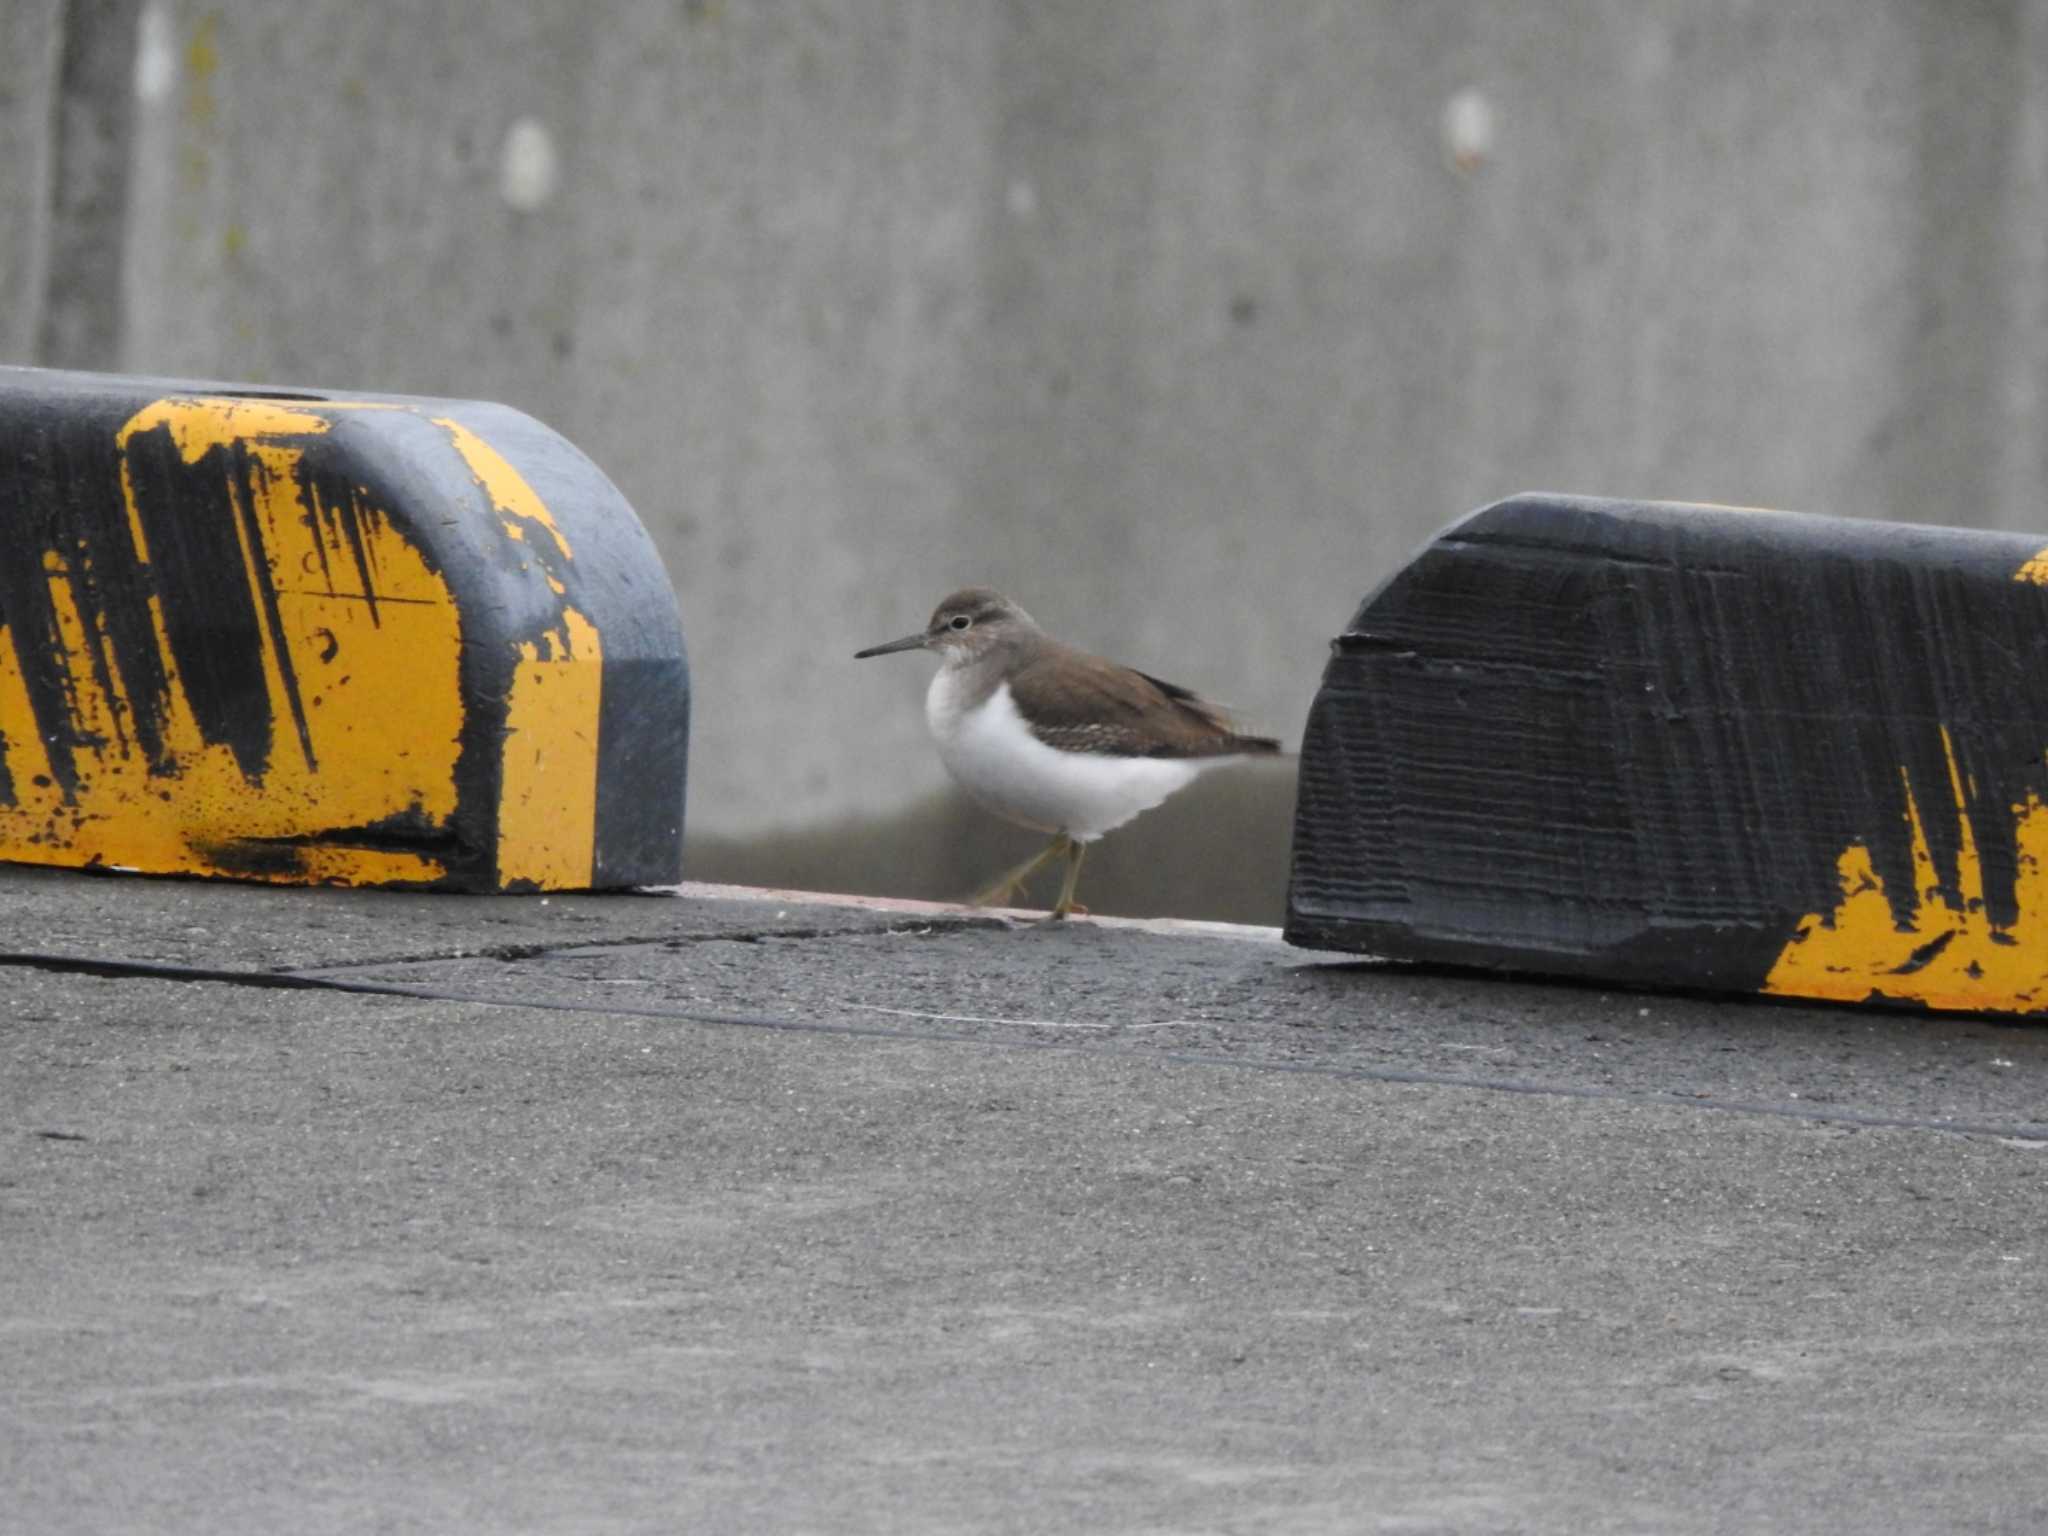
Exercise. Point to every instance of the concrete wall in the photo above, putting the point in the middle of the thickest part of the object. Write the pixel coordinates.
(1181, 320)
(30, 36)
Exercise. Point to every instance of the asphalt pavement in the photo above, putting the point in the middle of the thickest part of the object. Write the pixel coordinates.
(712, 1210)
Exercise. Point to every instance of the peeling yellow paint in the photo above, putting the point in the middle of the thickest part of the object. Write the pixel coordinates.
(2035, 570)
(200, 424)
(515, 500)
(547, 807)
(547, 824)
(1951, 955)
(379, 693)
(368, 638)
(335, 865)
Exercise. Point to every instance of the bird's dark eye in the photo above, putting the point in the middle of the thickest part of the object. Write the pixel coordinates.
(961, 621)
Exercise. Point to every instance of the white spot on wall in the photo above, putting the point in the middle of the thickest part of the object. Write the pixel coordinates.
(1021, 198)
(529, 169)
(1468, 130)
(156, 54)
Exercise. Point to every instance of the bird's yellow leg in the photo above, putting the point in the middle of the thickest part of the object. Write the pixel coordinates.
(1066, 902)
(1006, 887)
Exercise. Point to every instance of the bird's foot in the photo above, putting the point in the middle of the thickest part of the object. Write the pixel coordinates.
(999, 894)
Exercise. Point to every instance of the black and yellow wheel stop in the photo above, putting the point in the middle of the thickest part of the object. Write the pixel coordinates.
(313, 637)
(1692, 747)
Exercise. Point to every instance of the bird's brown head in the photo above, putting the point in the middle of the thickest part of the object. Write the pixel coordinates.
(964, 627)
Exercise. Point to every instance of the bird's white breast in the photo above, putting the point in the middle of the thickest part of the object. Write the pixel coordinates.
(991, 753)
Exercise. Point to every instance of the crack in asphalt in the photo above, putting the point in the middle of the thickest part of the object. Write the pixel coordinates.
(512, 953)
(2032, 1133)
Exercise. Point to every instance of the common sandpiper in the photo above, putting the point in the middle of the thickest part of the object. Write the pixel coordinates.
(1053, 738)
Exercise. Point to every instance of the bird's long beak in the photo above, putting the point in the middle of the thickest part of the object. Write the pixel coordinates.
(907, 643)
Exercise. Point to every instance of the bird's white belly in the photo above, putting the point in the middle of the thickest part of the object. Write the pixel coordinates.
(992, 754)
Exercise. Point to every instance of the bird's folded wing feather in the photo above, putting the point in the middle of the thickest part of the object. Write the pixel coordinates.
(1082, 703)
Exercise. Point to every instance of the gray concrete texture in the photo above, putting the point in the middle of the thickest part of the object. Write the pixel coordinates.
(1181, 320)
(719, 1211)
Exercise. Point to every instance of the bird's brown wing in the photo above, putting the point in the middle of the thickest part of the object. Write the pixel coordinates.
(1082, 703)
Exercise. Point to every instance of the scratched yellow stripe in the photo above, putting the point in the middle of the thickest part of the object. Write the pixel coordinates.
(378, 686)
(1858, 948)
